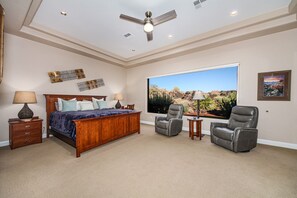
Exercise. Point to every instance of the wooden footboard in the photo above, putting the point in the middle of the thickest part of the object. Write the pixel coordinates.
(94, 132)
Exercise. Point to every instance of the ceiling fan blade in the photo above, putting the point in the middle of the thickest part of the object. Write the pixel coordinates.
(164, 17)
(132, 19)
(149, 36)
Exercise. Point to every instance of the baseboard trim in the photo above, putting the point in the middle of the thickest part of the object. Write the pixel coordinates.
(184, 128)
(278, 144)
(260, 141)
(6, 143)
(147, 122)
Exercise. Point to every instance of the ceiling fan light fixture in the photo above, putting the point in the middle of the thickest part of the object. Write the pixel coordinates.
(233, 13)
(148, 27)
(64, 13)
(149, 22)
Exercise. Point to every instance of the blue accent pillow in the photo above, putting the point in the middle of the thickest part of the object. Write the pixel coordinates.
(69, 105)
(60, 105)
(102, 104)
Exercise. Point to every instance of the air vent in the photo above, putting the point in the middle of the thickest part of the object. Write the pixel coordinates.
(198, 3)
(127, 35)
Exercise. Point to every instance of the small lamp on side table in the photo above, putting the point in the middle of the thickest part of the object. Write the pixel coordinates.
(198, 96)
(118, 97)
(25, 97)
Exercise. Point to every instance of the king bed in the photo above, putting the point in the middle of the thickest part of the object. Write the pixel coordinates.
(89, 129)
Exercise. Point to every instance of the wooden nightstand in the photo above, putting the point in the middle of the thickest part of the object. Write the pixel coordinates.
(24, 133)
(198, 122)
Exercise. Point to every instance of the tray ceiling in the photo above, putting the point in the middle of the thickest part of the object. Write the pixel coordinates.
(94, 27)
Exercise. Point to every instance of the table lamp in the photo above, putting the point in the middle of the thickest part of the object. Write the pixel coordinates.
(25, 97)
(198, 96)
(118, 97)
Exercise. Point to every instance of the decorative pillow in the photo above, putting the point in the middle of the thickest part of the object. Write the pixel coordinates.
(60, 105)
(94, 100)
(102, 104)
(56, 106)
(86, 105)
(70, 105)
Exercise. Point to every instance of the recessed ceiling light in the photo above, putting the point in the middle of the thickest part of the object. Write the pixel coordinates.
(234, 13)
(127, 35)
(170, 36)
(64, 13)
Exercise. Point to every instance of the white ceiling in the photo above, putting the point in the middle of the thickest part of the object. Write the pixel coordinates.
(95, 24)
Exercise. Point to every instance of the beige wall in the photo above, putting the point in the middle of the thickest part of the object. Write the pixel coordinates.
(26, 64)
(263, 54)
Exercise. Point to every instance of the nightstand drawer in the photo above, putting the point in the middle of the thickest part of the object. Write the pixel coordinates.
(23, 141)
(26, 126)
(26, 133)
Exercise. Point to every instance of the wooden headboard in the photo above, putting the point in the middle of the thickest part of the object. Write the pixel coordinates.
(52, 98)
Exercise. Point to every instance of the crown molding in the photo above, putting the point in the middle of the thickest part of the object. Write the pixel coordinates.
(279, 20)
(218, 38)
(293, 6)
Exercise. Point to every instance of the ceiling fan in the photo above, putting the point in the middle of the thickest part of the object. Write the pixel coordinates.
(149, 22)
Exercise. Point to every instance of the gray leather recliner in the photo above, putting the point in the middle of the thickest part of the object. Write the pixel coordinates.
(172, 124)
(240, 134)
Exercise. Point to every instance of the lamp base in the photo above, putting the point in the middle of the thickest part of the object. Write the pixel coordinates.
(198, 109)
(25, 113)
(26, 120)
(118, 105)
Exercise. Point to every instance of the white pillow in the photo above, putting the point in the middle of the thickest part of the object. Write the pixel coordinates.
(102, 104)
(60, 105)
(94, 100)
(86, 105)
(56, 106)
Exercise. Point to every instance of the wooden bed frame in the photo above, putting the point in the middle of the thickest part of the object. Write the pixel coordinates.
(93, 132)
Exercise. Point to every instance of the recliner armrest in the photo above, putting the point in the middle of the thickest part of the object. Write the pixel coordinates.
(217, 124)
(213, 125)
(175, 120)
(159, 118)
(175, 126)
(238, 131)
(245, 138)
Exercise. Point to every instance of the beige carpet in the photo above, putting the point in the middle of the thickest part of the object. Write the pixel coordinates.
(147, 165)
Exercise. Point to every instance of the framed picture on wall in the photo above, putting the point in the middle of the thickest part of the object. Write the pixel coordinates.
(274, 85)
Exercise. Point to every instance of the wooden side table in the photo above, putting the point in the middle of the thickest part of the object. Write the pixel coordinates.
(192, 122)
(24, 133)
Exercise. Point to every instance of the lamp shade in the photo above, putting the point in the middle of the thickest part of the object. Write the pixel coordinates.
(198, 95)
(22, 97)
(118, 96)
(25, 97)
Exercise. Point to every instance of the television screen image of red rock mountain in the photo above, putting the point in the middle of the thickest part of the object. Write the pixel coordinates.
(61, 76)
